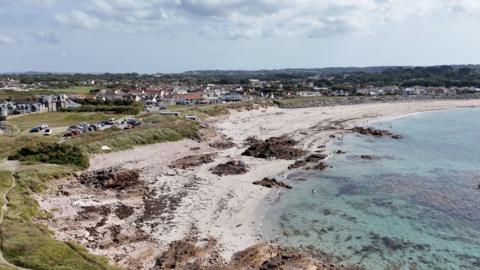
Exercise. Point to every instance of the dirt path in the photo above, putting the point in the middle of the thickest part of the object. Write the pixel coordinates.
(3, 211)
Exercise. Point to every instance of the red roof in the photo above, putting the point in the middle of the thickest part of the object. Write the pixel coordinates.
(194, 96)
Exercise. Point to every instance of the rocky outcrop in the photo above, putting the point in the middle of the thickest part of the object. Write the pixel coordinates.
(230, 168)
(370, 157)
(252, 140)
(376, 132)
(190, 255)
(111, 178)
(312, 162)
(193, 161)
(321, 166)
(275, 148)
(223, 144)
(271, 183)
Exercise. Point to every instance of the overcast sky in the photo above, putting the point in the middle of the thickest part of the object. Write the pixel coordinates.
(149, 36)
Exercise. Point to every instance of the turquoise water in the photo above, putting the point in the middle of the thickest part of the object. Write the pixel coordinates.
(418, 207)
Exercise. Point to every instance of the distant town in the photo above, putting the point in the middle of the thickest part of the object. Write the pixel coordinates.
(44, 92)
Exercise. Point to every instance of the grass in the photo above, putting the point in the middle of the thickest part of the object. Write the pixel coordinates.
(54, 153)
(157, 129)
(9, 144)
(29, 244)
(59, 119)
(214, 110)
(71, 90)
(22, 95)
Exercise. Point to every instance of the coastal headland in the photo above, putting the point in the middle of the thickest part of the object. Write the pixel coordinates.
(194, 202)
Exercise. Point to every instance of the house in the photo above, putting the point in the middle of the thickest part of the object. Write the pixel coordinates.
(416, 90)
(211, 95)
(54, 103)
(194, 98)
(308, 94)
(232, 97)
(3, 111)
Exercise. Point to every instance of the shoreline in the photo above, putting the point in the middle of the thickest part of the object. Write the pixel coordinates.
(224, 208)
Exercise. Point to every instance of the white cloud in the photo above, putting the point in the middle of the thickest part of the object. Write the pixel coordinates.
(45, 37)
(256, 18)
(5, 40)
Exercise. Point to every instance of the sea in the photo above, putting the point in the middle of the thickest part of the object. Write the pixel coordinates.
(415, 205)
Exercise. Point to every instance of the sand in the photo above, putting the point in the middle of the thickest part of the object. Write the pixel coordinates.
(226, 208)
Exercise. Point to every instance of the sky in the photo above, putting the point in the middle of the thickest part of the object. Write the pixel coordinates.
(167, 36)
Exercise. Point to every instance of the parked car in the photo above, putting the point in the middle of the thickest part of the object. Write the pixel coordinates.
(48, 131)
(134, 122)
(34, 130)
(72, 133)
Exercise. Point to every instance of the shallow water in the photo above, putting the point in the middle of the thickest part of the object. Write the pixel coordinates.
(418, 206)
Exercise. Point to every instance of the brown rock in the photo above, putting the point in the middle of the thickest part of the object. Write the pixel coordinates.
(193, 161)
(230, 168)
(271, 183)
(112, 178)
(376, 132)
(275, 147)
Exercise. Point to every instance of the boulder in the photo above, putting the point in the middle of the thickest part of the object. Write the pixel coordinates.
(275, 147)
(230, 168)
(271, 183)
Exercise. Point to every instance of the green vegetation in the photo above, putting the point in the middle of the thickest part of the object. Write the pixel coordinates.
(32, 94)
(63, 154)
(28, 244)
(214, 110)
(71, 90)
(113, 106)
(156, 129)
(58, 119)
(11, 143)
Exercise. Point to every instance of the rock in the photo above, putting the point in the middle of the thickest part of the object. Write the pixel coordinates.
(339, 152)
(112, 178)
(222, 145)
(230, 168)
(370, 157)
(315, 157)
(397, 137)
(319, 167)
(271, 183)
(376, 132)
(193, 161)
(251, 141)
(275, 147)
(123, 211)
(298, 164)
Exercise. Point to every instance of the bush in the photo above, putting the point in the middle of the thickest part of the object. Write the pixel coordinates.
(63, 154)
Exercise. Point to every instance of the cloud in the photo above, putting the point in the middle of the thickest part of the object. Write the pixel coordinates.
(45, 37)
(45, 3)
(255, 18)
(6, 40)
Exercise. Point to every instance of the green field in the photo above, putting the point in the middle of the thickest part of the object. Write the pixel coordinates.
(71, 90)
(21, 95)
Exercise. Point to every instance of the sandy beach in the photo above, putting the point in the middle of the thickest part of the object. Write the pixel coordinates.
(173, 203)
